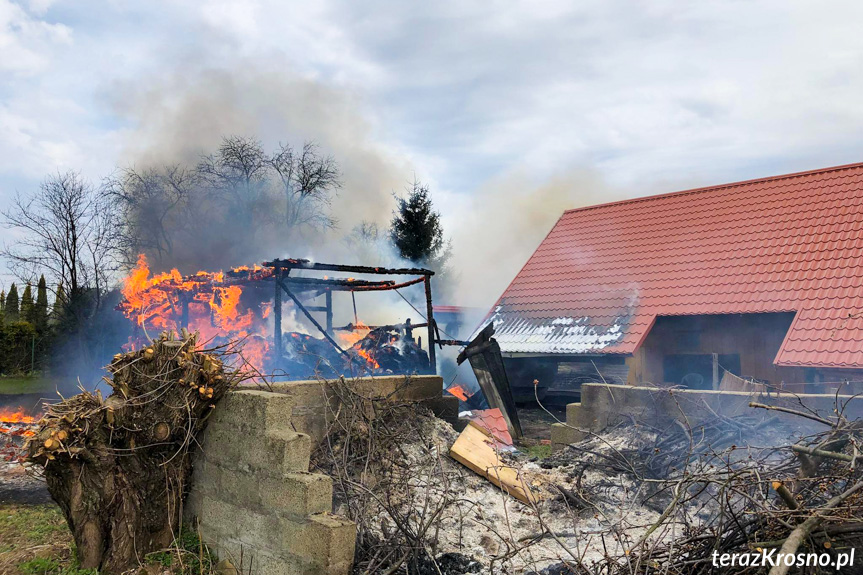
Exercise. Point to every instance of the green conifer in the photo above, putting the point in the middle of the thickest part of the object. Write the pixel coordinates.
(12, 303)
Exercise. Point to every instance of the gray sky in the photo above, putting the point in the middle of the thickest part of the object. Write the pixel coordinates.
(519, 108)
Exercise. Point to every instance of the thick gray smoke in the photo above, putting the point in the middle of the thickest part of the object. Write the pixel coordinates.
(506, 220)
(179, 116)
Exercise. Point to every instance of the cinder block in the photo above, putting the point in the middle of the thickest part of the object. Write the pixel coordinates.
(338, 538)
(219, 446)
(263, 563)
(322, 539)
(206, 476)
(572, 413)
(253, 410)
(296, 494)
(217, 519)
(561, 436)
(251, 527)
(240, 488)
(276, 452)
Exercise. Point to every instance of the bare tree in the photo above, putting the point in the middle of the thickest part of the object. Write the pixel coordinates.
(308, 181)
(70, 229)
(237, 174)
(155, 206)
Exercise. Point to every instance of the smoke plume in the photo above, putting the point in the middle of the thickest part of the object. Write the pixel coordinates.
(506, 220)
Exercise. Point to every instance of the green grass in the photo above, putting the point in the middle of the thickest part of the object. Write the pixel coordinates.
(46, 566)
(34, 540)
(29, 525)
(13, 385)
(538, 451)
(187, 556)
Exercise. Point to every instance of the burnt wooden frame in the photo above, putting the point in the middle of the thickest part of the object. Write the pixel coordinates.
(282, 280)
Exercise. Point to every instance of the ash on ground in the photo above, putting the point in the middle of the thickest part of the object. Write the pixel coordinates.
(597, 497)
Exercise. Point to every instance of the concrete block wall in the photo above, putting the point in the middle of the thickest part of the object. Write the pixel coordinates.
(604, 405)
(252, 495)
(254, 499)
(312, 405)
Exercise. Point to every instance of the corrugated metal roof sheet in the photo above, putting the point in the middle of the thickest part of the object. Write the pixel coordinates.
(786, 243)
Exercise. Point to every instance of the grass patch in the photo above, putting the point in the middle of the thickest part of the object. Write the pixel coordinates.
(34, 540)
(30, 525)
(188, 556)
(539, 451)
(16, 385)
(46, 566)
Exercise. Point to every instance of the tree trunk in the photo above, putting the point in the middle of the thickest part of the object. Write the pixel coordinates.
(119, 468)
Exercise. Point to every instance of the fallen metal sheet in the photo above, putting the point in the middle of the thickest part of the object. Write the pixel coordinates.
(487, 363)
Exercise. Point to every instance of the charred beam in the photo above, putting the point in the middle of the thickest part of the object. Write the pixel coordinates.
(431, 325)
(354, 327)
(339, 282)
(311, 318)
(308, 265)
(277, 308)
(328, 309)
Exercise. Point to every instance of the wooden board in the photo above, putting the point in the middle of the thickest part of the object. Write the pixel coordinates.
(474, 449)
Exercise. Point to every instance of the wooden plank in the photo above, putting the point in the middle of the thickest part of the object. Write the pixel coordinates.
(474, 449)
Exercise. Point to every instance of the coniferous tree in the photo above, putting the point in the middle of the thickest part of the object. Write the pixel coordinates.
(58, 311)
(415, 229)
(12, 303)
(3, 301)
(40, 307)
(26, 311)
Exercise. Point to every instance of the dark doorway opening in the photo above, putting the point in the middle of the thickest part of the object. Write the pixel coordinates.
(695, 370)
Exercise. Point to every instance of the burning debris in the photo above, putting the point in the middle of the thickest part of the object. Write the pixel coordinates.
(15, 428)
(383, 350)
(245, 304)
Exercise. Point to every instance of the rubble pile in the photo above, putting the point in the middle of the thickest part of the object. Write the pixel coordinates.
(628, 500)
(383, 351)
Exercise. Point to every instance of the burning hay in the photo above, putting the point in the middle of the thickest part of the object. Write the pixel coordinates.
(119, 466)
(383, 350)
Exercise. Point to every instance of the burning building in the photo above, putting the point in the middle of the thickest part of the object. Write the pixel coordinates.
(750, 283)
(247, 303)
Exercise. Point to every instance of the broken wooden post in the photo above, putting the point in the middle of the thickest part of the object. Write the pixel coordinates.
(715, 371)
(277, 308)
(329, 311)
(430, 320)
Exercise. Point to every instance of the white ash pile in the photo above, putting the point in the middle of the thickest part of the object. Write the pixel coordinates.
(419, 511)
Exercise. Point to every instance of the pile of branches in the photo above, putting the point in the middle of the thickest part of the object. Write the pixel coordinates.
(389, 478)
(119, 466)
(724, 494)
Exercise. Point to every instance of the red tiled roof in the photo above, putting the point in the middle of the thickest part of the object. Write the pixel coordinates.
(787, 243)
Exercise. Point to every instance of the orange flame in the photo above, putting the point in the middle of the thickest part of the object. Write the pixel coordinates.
(207, 301)
(349, 338)
(18, 416)
(365, 355)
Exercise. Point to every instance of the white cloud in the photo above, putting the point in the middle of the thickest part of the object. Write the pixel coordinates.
(26, 42)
